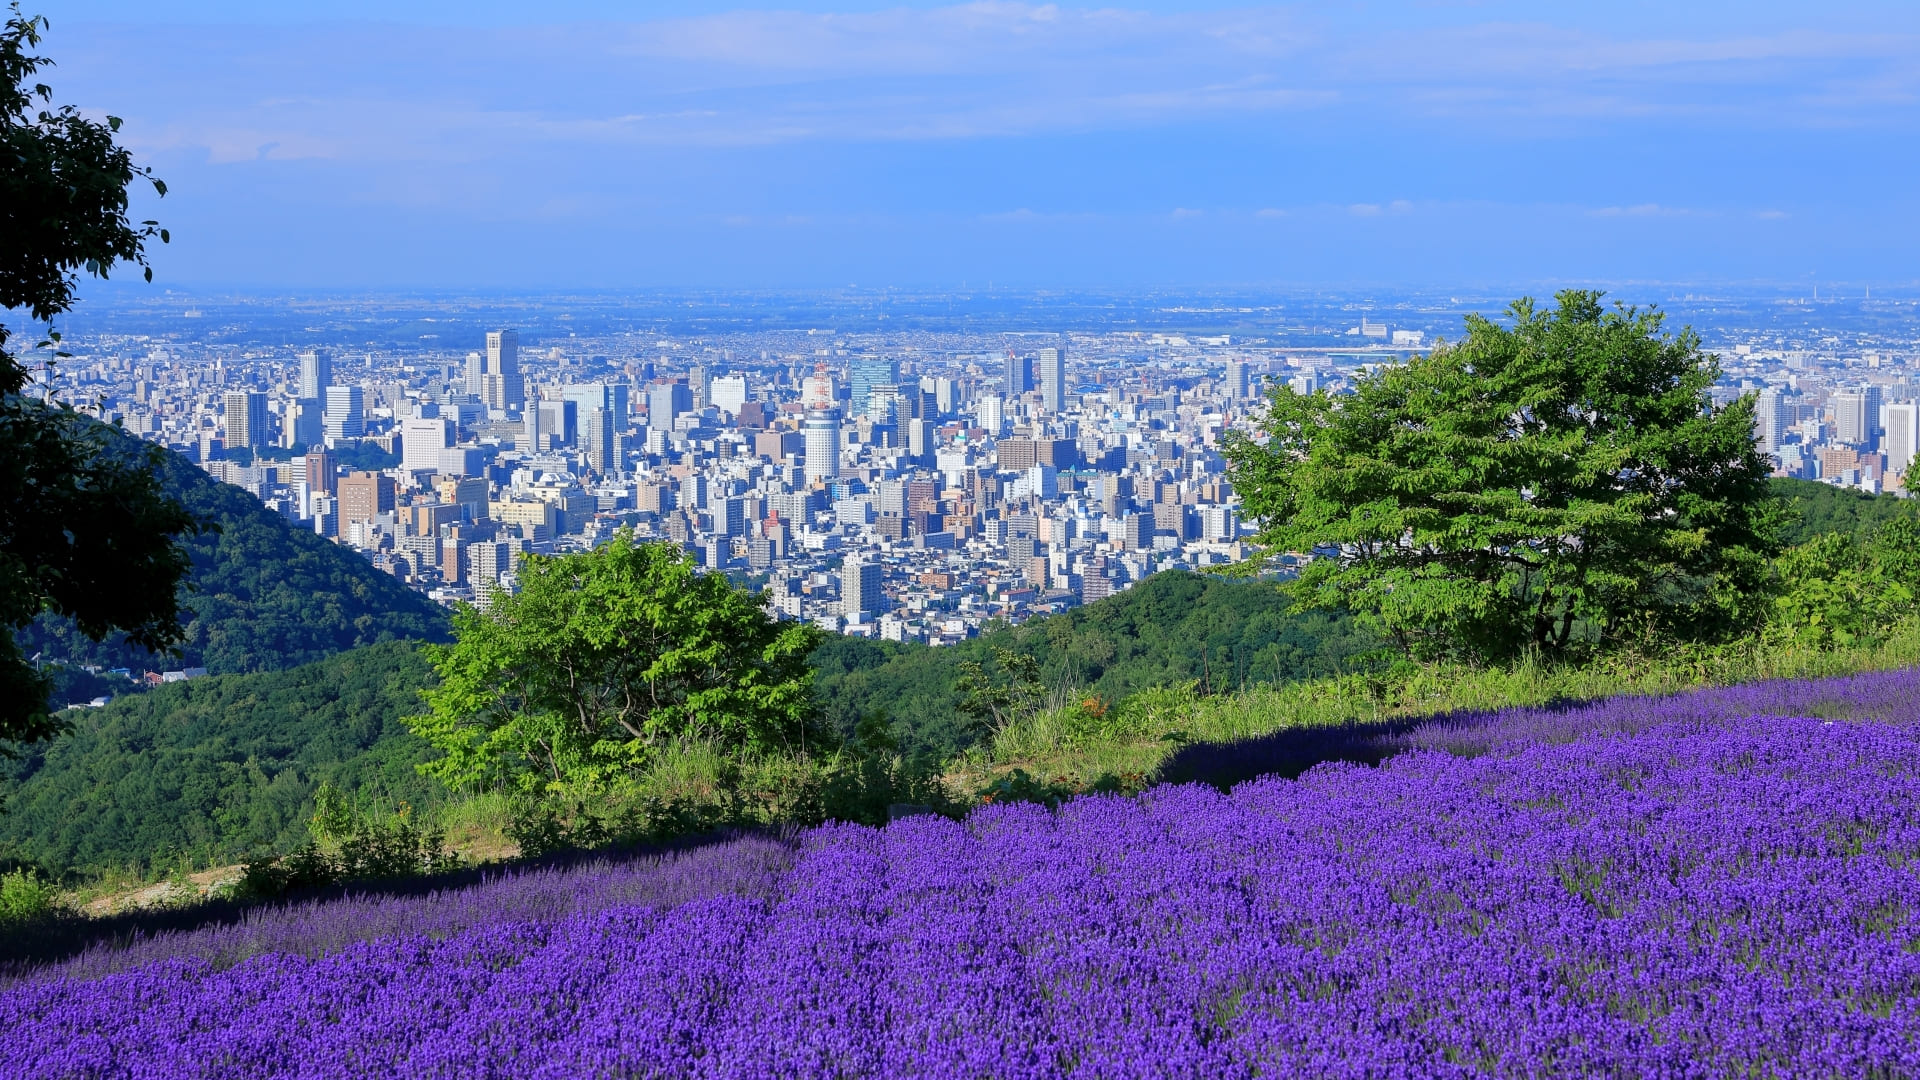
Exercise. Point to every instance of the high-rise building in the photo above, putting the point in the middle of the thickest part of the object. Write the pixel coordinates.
(867, 372)
(1053, 378)
(823, 447)
(322, 472)
(860, 594)
(597, 440)
(346, 415)
(422, 437)
(246, 422)
(1856, 418)
(1773, 415)
(363, 497)
(1019, 377)
(613, 397)
(993, 414)
(504, 387)
(304, 424)
(729, 393)
(665, 403)
(1901, 421)
(316, 374)
(1237, 387)
(560, 424)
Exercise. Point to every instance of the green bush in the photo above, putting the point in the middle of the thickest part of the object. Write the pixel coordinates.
(25, 897)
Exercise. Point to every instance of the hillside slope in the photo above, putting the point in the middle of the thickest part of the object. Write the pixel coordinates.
(216, 768)
(1173, 627)
(263, 595)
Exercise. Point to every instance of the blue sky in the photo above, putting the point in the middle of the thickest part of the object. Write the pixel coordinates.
(359, 144)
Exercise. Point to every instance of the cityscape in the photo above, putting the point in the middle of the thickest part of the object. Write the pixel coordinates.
(912, 485)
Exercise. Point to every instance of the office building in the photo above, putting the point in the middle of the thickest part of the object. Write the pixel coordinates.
(1856, 418)
(346, 415)
(867, 372)
(364, 496)
(422, 437)
(613, 397)
(1053, 379)
(860, 595)
(1237, 386)
(1019, 375)
(598, 440)
(560, 423)
(316, 374)
(666, 402)
(246, 420)
(322, 472)
(1901, 422)
(494, 376)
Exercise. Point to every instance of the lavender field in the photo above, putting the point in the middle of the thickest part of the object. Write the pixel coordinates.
(1721, 884)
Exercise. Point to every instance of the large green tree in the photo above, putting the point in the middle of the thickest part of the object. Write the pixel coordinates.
(602, 659)
(86, 530)
(1563, 483)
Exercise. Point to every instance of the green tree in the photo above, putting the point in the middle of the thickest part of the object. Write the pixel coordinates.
(993, 697)
(86, 530)
(1559, 485)
(603, 658)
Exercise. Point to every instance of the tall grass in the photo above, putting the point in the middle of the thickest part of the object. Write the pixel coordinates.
(1068, 748)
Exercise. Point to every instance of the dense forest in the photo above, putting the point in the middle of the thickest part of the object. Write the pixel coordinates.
(263, 595)
(1174, 627)
(1822, 508)
(216, 768)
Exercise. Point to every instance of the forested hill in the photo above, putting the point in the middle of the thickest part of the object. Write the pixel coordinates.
(1822, 508)
(1173, 627)
(263, 594)
(217, 768)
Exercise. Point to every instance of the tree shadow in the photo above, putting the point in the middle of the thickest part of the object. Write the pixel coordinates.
(1291, 751)
(30, 945)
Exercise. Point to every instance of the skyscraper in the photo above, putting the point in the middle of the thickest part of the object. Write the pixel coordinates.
(1856, 417)
(867, 372)
(612, 397)
(1902, 425)
(246, 424)
(665, 403)
(1019, 377)
(346, 416)
(823, 447)
(1774, 413)
(1237, 387)
(503, 387)
(316, 374)
(860, 593)
(1053, 378)
(597, 431)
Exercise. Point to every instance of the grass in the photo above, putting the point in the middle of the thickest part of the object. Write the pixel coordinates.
(1066, 749)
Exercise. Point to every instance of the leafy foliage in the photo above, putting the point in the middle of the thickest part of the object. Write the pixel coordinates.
(261, 594)
(85, 530)
(995, 695)
(349, 844)
(217, 769)
(1172, 628)
(1841, 588)
(1816, 508)
(1562, 485)
(565, 689)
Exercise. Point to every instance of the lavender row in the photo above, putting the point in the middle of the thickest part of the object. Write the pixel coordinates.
(1696, 898)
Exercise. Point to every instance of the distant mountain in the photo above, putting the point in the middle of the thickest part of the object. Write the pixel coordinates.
(263, 595)
(217, 768)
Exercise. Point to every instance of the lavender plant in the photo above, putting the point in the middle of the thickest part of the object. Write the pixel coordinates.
(1717, 884)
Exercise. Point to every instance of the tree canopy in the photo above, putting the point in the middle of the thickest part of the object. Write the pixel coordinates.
(604, 657)
(86, 530)
(1560, 484)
